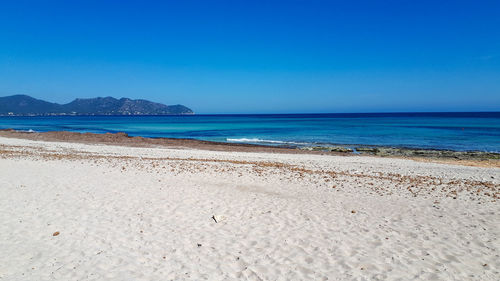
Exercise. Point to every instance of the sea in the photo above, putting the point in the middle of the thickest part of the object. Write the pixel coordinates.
(466, 131)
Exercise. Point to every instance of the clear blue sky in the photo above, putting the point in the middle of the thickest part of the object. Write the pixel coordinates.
(257, 56)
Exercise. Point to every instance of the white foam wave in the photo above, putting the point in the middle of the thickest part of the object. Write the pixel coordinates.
(27, 131)
(256, 140)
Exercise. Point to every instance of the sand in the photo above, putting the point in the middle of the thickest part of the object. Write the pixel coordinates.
(83, 211)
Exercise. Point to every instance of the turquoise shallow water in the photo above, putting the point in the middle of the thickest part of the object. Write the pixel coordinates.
(455, 131)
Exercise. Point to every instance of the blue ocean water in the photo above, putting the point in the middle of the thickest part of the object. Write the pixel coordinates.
(455, 131)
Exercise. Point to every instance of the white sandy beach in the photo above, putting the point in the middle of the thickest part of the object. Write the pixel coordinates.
(128, 213)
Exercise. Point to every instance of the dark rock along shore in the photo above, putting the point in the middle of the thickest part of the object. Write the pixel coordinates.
(410, 152)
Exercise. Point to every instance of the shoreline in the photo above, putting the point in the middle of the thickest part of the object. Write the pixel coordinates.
(467, 158)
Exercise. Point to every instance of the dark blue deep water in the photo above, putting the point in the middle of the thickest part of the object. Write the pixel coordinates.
(455, 131)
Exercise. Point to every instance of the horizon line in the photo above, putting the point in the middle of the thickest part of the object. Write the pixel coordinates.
(212, 114)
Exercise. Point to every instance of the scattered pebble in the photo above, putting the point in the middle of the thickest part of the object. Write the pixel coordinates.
(55, 233)
(218, 218)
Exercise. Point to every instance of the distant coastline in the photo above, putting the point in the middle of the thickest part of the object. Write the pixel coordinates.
(23, 105)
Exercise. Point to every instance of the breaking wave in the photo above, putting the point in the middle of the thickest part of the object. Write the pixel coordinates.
(256, 140)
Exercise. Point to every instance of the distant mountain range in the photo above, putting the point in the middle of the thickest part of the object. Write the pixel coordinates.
(22, 105)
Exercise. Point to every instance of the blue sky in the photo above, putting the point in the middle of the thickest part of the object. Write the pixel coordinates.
(257, 56)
